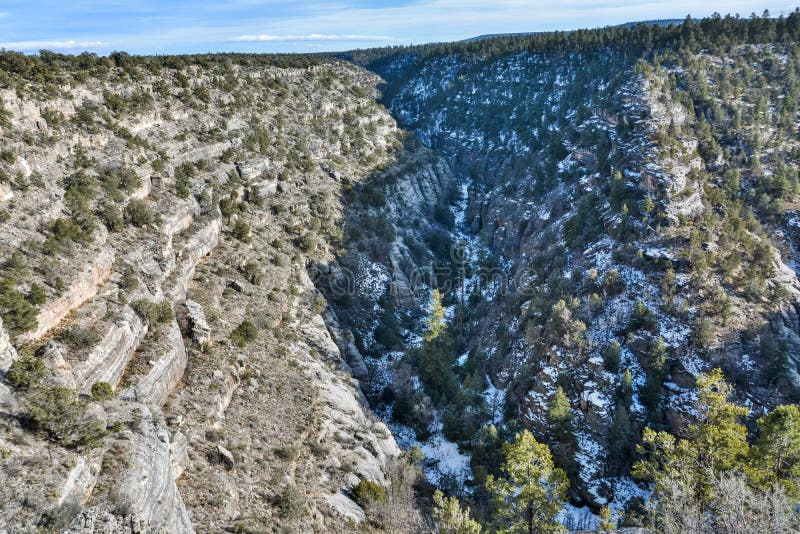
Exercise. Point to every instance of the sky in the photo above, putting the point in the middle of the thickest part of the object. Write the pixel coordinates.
(187, 26)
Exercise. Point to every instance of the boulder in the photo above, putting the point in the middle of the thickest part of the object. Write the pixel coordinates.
(197, 326)
(221, 456)
(346, 508)
(6, 193)
(60, 369)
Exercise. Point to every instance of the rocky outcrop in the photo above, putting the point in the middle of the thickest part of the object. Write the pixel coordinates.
(166, 370)
(179, 454)
(7, 351)
(346, 508)
(107, 361)
(198, 245)
(6, 193)
(252, 408)
(195, 324)
(81, 480)
(147, 488)
(59, 367)
(82, 289)
(228, 383)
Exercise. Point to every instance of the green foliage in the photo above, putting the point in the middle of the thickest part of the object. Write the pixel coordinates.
(450, 518)
(559, 420)
(613, 283)
(17, 313)
(611, 357)
(714, 475)
(183, 175)
(368, 493)
(621, 436)
(243, 334)
(530, 492)
(487, 454)
(112, 217)
(79, 191)
(560, 415)
(309, 242)
(656, 371)
(153, 312)
(5, 116)
(26, 371)
(702, 332)
(435, 358)
(67, 230)
(57, 413)
(437, 322)
(291, 503)
(387, 333)
(102, 391)
(607, 524)
(118, 182)
(36, 295)
(776, 454)
(138, 213)
(643, 318)
(241, 231)
(78, 337)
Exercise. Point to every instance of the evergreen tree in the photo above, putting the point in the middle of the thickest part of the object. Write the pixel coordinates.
(560, 415)
(625, 388)
(611, 357)
(776, 454)
(530, 491)
(620, 439)
(437, 321)
(435, 358)
(607, 524)
(716, 444)
(450, 518)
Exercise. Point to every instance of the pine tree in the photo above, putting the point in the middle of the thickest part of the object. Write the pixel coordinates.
(625, 388)
(450, 518)
(437, 322)
(607, 524)
(435, 358)
(717, 444)
(620, 438)
(560, 415)
(776, 455)
(530, 492)
(720, 440)
(611, 357)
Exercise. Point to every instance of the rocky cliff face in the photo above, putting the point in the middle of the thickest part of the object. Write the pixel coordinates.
(623, 273)
(159, 225)
(212, 267)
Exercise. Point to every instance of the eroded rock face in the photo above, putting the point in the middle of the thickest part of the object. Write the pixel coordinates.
(83, 288)
(197, 326)
(165, 372)
(108, 360)
(259, 403)
(7, 351)
(147, 492)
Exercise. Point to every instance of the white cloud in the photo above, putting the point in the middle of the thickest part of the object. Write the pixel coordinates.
(51, 45)
(312, 37)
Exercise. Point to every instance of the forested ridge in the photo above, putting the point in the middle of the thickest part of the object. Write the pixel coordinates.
(570, 279)
(642, 181)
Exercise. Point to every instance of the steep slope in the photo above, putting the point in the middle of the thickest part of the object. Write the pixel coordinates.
(632, 224)
(173, 370)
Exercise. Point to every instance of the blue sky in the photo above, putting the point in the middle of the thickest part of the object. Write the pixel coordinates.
(185, 26)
